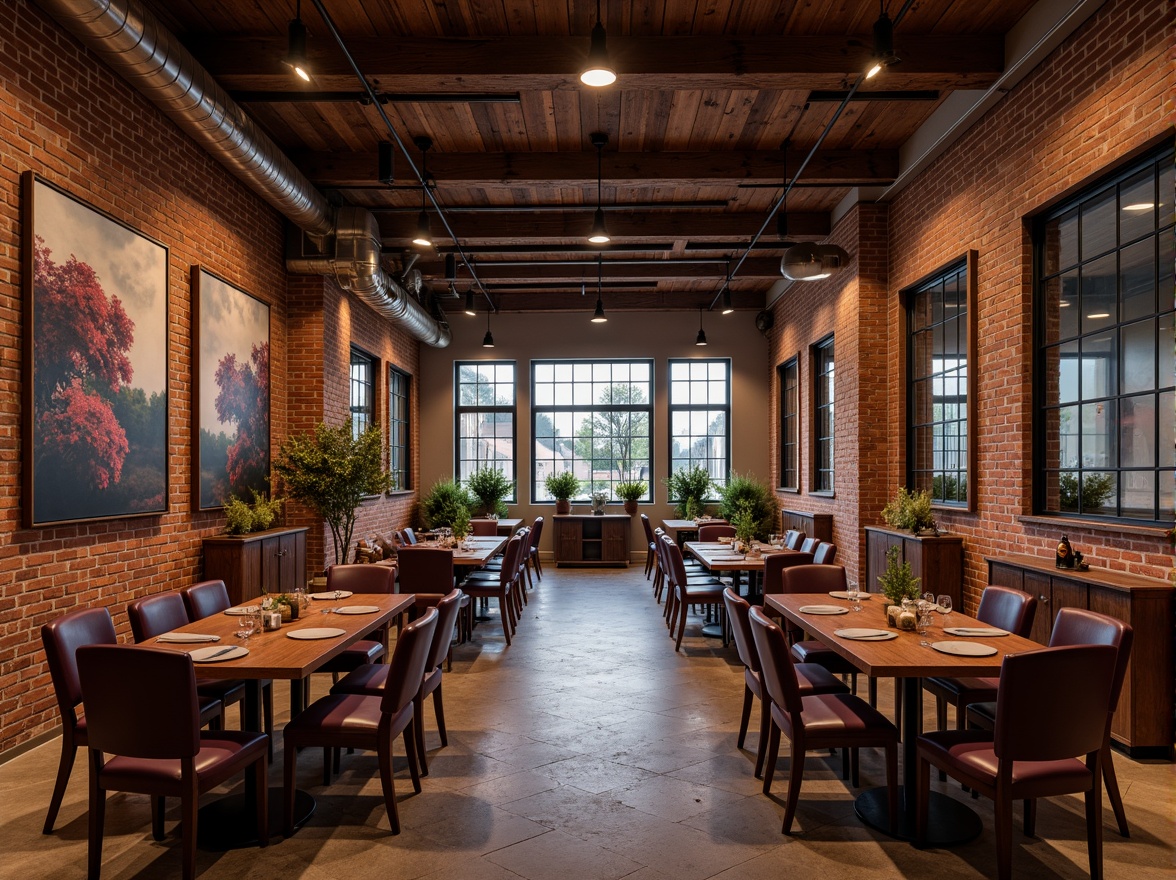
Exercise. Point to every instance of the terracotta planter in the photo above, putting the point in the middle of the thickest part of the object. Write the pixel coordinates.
(563, 507)
(631, 508)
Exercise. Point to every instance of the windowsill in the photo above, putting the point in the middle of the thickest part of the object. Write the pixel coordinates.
(824, 493)
(795, 490)
(1117, 528)
(397, 493)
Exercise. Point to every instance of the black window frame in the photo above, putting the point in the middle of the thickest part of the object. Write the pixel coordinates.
(789, 426)
(674, 462)
(460, 409)
(362, 413)
(399, 453)
(824, 352)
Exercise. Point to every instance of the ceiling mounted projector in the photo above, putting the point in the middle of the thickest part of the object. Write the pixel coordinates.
(812, 262)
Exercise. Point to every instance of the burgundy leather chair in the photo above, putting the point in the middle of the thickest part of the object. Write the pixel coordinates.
(817, 579)
(355, 721)
(499, 585)
(714, 532)
(650, 550)
(360, 579)
(484, 528)
(825, 554)
(687, 591)
(811, 678)
(816, 721)
(1077, 626)
(809, 545)
(1005, 608)
(427, 572)
(1051, 717)
(371, 679)
(142, 711)
(793, 539)
(774, 565)
(533, 551)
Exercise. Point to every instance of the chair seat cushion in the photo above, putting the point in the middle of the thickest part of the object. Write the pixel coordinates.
(220, 757)
(813, 651)
(813, 678)
(367, 679)
(973, 689)
(363, 651)
(345, 720)
(970, 756)
(838, 719)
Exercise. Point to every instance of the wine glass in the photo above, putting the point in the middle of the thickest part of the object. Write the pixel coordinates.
(944, 603)
(246, 625)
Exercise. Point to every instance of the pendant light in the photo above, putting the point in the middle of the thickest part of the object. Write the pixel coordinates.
(701, 338)
(599, 233)
(598, 70)
(727, 307)
(598, 316)
(296, 46)
(469, 308)
(488, 339)
(883, 55)
(424, 233)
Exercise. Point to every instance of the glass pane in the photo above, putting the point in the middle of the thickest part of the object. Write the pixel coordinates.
(1167, 447)
(1067, 439)
(1098, 366)
(1137, 206)
(1066, 383)
(1099, 294)
(1138, 357)
(1137, 494)
(1098, 225)
(1098, 493)
(1061, 243)
(1098, 434)
(1137, 431)
(1137, 279)
(1167, 365)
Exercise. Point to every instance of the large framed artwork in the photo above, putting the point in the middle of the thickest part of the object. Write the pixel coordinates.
(95, 363)
(231, 394)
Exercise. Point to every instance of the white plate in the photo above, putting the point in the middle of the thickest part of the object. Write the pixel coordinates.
(186, 638)
(963, 649)
(358, 609)
(323, 632)
(975, 632)
(333, 594)
(841, 594)
(216, 655)
(243, 610)
(823, 609)
(866, 635)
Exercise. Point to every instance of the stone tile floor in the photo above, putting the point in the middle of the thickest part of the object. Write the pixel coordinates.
(589, 749)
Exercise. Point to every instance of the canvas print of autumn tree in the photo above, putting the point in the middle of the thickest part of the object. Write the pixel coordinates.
(231, 342)
(95, 363)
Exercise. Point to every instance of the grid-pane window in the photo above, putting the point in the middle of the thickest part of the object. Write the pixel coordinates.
(399, 428)
(937, 386)
(1104, 273)
(823, 415)
(593, 418)
(485, 414)
(700, 416)
(789, 378)
(363, 399)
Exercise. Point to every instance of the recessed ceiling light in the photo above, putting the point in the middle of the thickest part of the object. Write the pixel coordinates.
(1098, 315)
(1063, 304)
(1139, 206)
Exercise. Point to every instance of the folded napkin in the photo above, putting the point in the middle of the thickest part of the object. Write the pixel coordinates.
(187, 638)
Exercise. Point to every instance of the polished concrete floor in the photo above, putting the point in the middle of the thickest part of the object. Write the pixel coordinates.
(588, 749)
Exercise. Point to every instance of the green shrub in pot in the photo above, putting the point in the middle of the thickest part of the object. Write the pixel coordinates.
(489, 486)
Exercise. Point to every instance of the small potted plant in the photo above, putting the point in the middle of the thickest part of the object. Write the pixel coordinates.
(444, 503)
(562, 487)
(898, 582)
(599, 499)
(745, 520)
(241, 517)
(689, 486)
(631, 493)
(489, 486)
(910, 511)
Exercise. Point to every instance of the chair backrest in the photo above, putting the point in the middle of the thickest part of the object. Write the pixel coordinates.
(775, 658)
(407, 536)
(1008, 609)
(447, 610)
(793, 539)
(825, 553)
(737, 611)
(808, 545)
(140, 701)
(484, 528)
(522, 540)
(425, 570)
(647, 527)
(774, 565)
(672, 562)
(406, 669)
(714, 532)
(154, 615)
(62, 638)
(364, 578)
(813, 578)
(1077, 626)
(205, 599)
(1052, 704)
(536, 533)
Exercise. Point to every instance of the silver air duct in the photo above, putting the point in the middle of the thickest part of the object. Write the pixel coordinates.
(135, 45)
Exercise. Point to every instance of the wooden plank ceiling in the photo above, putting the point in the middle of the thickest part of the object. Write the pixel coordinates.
(708, 93)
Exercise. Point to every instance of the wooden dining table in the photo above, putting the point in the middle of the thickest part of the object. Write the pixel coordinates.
(683, 529)
(950, 821)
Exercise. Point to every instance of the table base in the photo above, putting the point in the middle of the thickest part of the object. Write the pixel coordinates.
(229, 823)
(712, 630)
(949, 823)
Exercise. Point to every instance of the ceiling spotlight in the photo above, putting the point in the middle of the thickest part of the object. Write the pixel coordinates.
(701, 338)
(424, 233)
(296, 46)
(727, 307)
(598, 70)
(599, 233)
(812, 262)
(598, 316)
(883, 54)
(469, 308)
(488, 339)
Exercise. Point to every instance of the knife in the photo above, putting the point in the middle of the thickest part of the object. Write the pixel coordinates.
(220, 652)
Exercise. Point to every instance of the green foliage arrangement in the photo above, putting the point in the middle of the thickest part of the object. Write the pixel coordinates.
(331, 471)
(689, 487)
(446, 502)
(744, 520)
(898, 582)
(756, 499)
(562, 486)
(633, 491)
(460, 524)
(1091, 495)
(909, 511)
(241, 517)
(489, 486)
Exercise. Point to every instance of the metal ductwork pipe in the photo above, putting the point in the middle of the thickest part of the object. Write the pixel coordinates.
(137, 46)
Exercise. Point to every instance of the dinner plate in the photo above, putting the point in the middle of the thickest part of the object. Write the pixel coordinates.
(332, 594)
(841, 594)
(358, 609)
(243, 610)
(823, 609)
(216, 655)
(187, 638)
(963, 649)
(978, 632)
(321, 632)
(866, 635)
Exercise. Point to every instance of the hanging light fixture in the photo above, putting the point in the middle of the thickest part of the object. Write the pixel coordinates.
(469, 308)
(598, 316)
(488, 339)
(812, 262)
(296, 46)
(883, 55)
(599, 233)
(727, 307)
(424, 232)
(701, 338)
(598, 70)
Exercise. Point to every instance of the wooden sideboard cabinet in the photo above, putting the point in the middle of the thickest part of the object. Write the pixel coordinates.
(587, 540)
(815, 525)
(1143, 721)
(273, 561)
(937, 559)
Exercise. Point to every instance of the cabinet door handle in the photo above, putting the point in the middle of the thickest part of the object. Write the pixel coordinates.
(281, 552)
(1043, 599)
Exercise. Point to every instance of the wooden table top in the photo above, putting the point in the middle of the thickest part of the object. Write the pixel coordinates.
(274, 654)
(481, 549)
(506, 525)
(902, 657)
(720, 557)
(689, 525)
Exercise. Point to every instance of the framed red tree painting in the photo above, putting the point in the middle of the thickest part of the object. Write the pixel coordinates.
(231, 420)
(95, 390)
